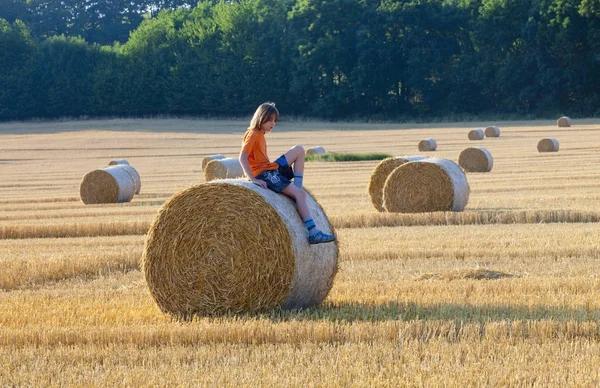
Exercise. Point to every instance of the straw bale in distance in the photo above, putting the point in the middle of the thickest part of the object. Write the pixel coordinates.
(476, 134)
(117, 161)
(315, 151)
(492, 131)
(209, 158)
(476, 159)
(230, 246)
(548, 145)
(426, 185)
(380, 174)
(428, 144)
(223, 169)
(134, 175)
(108, 185)
(563, 122)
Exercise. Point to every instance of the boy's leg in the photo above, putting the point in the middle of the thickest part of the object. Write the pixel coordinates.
(315, 236)
(294, 157)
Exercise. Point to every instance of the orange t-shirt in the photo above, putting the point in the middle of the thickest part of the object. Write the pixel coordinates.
(255, 146)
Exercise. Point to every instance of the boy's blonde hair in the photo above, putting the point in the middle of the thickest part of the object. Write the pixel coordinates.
(263, 113)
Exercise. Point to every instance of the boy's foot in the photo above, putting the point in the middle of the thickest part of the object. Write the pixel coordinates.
(320, 238)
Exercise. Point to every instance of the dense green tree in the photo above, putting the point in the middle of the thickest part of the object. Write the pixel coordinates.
(12, 10)
(326, 58)
(17, 56)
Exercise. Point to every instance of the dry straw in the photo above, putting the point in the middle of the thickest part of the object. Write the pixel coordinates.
(114, 162)
(426, 185)
(473, 274)
(476, 134)
(492, 131)
(108, 185)
(381, 173)
(230, 246)
(428, 144)
(548, 145)
(223, 169)
(315, 151)
(476, 159)
(210, 158)
(563, 122)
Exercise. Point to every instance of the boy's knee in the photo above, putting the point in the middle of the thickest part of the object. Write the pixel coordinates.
(299, 149)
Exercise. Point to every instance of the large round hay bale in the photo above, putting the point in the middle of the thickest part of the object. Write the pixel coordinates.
(548, 145)
(114, 162)
(223, 169)
(209, 158)
(381, 173)
(428, 144)
(563, 122)
(111, 184)
(476, 159)
(134, 175)
(426, 185)
(476, 134)
(315, 151)
(230, 246)
(492, 131)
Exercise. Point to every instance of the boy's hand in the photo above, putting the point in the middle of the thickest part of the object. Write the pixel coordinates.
(260, 183)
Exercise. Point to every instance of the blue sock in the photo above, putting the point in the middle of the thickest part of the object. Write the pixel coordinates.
(310, 225)
(298, 180)
(281, 161)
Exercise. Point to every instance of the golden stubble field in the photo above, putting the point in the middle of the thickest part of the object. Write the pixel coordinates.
(505, 293)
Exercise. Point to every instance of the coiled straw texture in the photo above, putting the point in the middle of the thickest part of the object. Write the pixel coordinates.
(108, 185)
(563, 122)
(428, 144)
(315, 151)
(548, 145)
(426, 185)
(223, 169)
(230, 246)
(117, 161)
(381, 173)
(476, 134)
(210, 158)
(476, 159)
(492, 131)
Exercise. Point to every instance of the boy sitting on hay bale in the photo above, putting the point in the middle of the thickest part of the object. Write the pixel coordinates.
(277, 175)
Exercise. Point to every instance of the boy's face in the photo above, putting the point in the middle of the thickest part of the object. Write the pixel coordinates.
(268, 125)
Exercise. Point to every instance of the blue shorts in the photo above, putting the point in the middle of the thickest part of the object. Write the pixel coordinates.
(279, 179)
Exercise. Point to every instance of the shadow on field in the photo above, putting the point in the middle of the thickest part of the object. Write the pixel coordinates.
(357, 312)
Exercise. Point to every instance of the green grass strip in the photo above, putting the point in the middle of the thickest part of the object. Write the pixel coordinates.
(335, 157)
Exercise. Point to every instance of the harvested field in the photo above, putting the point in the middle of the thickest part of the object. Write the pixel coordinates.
(424, 299)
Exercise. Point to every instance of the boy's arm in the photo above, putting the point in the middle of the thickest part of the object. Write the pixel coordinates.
(248, 171)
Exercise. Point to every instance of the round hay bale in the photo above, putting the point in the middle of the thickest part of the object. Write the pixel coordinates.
(315, 151)
(428, 144)
(111, 184)
(476, 159)
(426, 185)
(134, 175)
(114, 162)
(381, 173)
(230, 246)
(548, 145)
(209, 158)
(223, 169)
(492, 131)
(476, 134)
(563, 122)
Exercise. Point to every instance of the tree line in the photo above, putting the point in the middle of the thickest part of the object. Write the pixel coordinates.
(332, 59)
